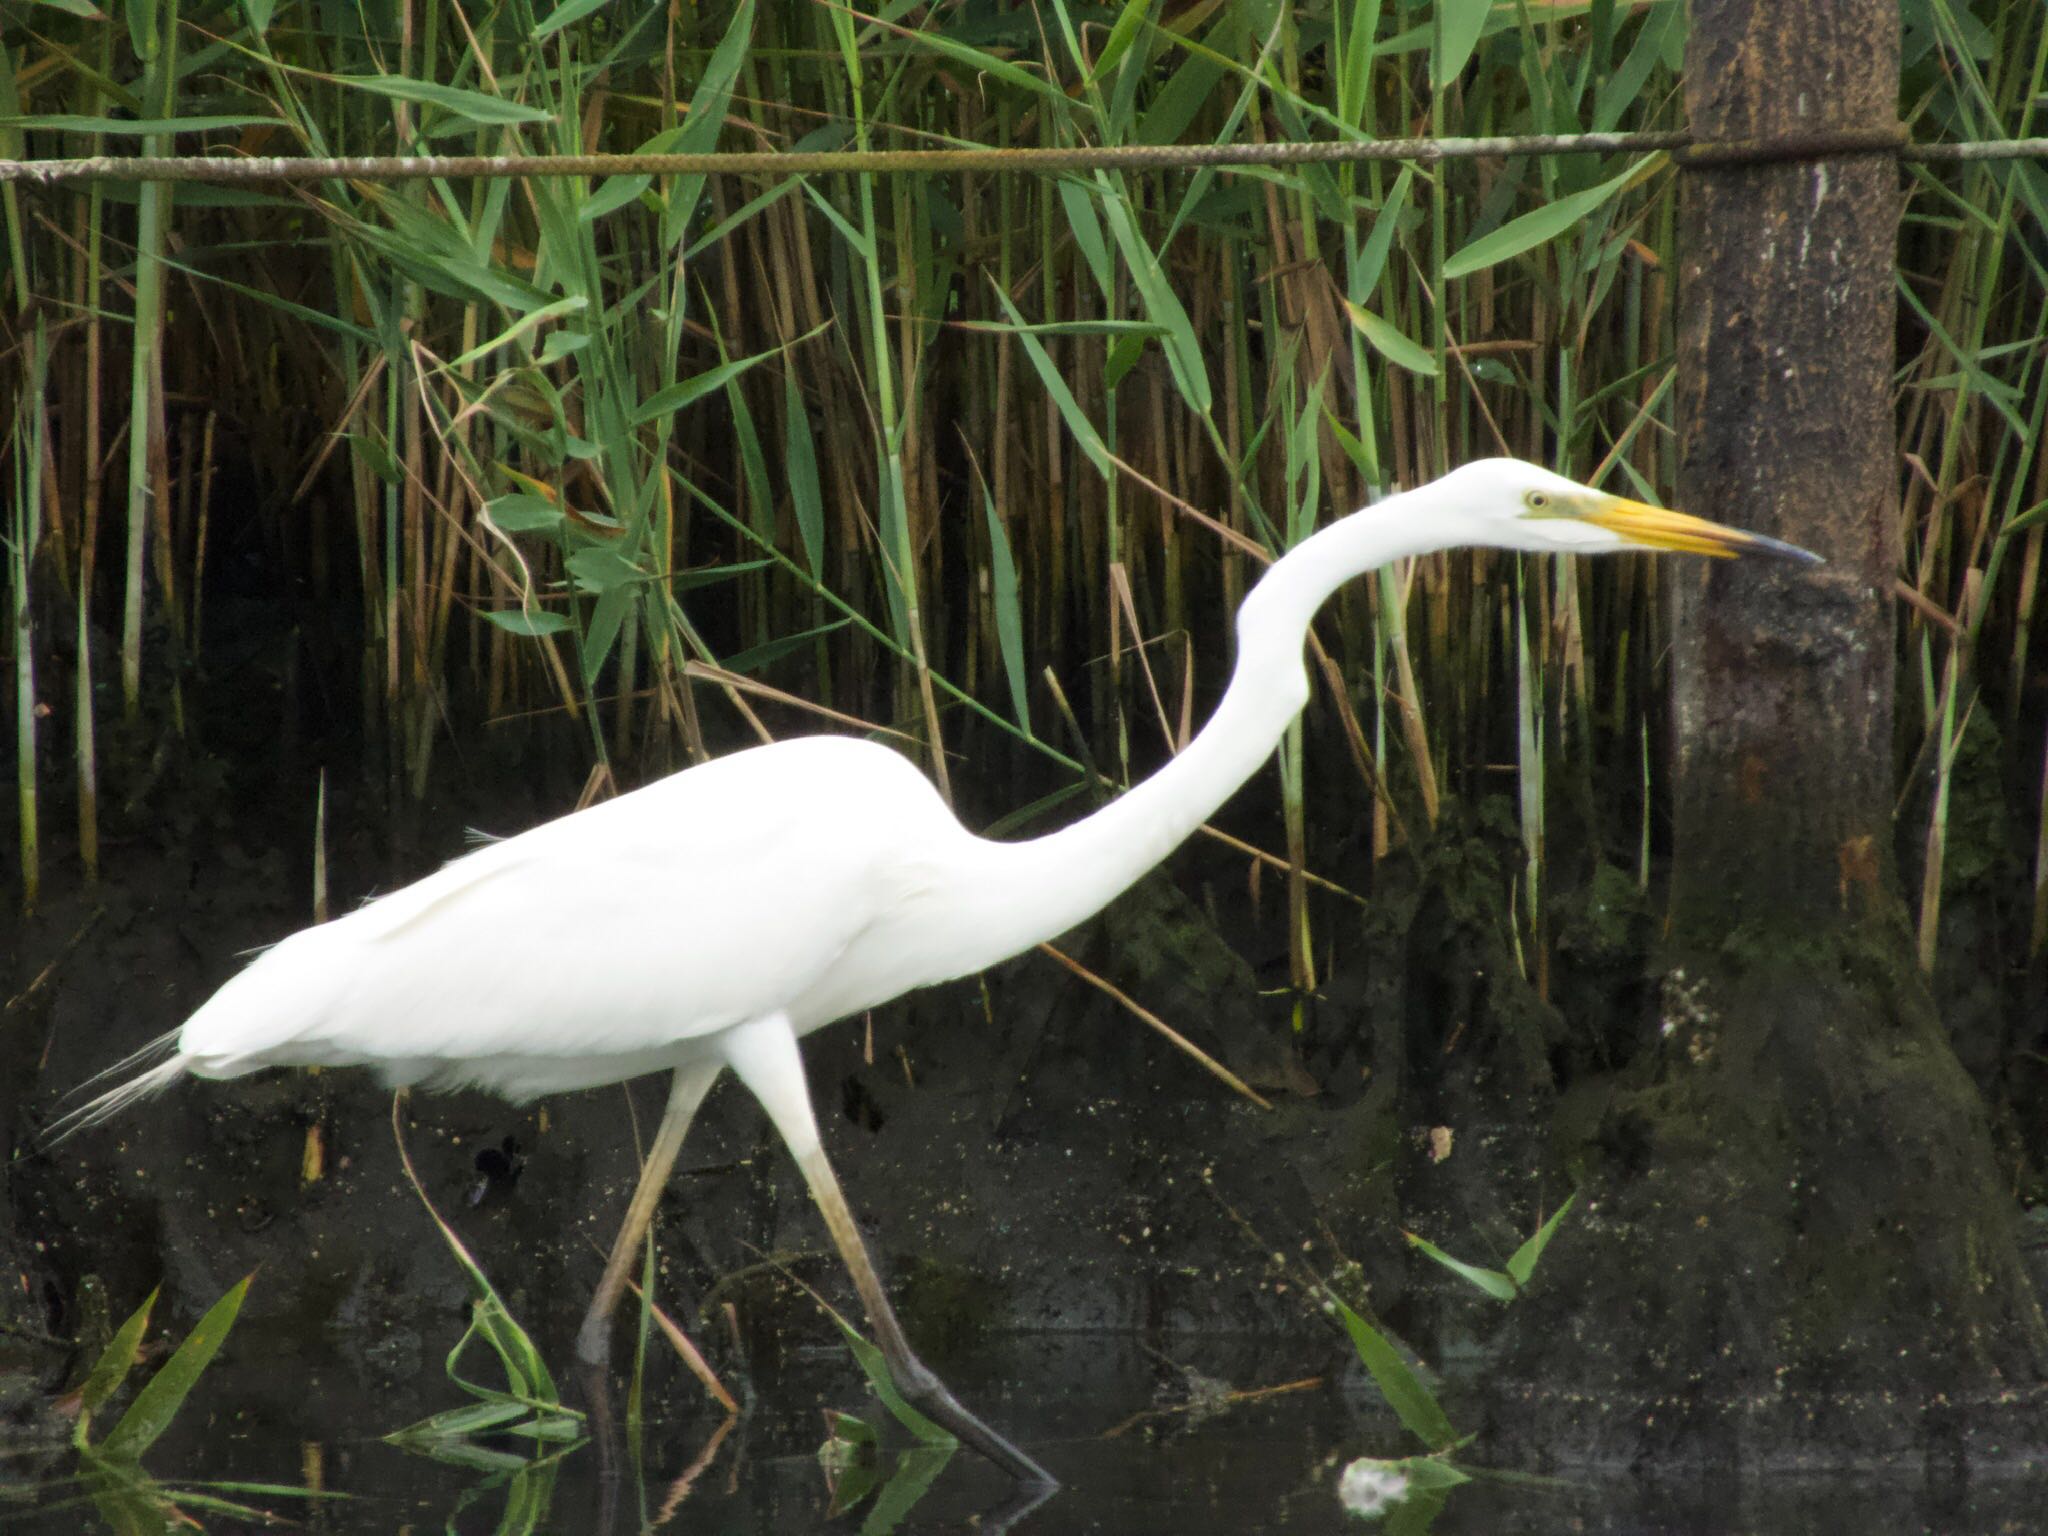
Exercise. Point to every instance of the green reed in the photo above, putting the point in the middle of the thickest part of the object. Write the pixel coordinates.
(683, 463)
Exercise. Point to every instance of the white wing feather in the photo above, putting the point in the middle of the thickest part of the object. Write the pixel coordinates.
(623, 932)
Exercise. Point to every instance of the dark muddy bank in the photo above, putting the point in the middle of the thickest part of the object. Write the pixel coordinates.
(1026, 1155)
(1029, 1155)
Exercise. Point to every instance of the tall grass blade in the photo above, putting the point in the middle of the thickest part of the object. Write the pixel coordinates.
(155, 37)
(1007, 595)
(25, 528)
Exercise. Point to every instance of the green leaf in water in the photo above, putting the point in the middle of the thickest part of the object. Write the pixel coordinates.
(113, 1365)
(1523, 1264)
(848, 1458)
(916, 1470)
(165, 1392)
(1414, 1404)
(525, 1371)
(877, 1371)
(1497, 1285)
(1428, 1472)
(458, 1423)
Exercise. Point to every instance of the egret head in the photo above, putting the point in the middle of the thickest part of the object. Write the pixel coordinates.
(1513, 505)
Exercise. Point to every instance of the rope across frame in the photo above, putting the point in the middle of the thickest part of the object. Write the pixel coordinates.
(1688, 151)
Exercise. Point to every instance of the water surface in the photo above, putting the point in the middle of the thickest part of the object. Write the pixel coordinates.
(1114, 1419)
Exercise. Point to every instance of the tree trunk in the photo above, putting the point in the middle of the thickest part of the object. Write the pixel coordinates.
(1794, 1204)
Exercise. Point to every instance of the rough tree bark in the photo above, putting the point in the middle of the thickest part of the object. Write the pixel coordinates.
(1798, 1243)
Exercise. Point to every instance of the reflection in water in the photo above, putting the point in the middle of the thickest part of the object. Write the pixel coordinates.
(1270, 1464)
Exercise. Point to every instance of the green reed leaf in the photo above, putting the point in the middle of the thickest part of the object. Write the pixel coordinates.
(800, 464)
(666, 402)
(1087, 230)
(529, 622)
(568, 12)
(72, 122)
(475, 106)
(1541, 225)
(988, 65)
(1386, 224)
(708, 103)
(1162, 305)
(755, 657)
(1006, 594)
(1463, 21)
(1388, 341)
(523, 512)
(1069, 408)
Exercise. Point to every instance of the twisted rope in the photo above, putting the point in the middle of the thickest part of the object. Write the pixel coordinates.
(253, 170)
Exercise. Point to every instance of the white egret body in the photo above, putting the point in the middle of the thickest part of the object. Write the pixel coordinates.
(710, 919)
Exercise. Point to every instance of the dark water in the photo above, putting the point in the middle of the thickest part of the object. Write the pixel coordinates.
(1105, 1415)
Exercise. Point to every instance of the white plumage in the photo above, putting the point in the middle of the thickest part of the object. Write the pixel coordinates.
(710, 919)
(617, 940)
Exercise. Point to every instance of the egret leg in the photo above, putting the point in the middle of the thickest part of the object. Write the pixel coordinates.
(764, 1055)
(686, 1091)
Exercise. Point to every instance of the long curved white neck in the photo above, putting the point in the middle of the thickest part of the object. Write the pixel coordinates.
(1045, 886)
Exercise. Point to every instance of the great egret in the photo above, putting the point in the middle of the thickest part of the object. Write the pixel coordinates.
(745, 902)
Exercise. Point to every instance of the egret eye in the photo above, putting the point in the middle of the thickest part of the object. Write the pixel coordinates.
(1538, 501)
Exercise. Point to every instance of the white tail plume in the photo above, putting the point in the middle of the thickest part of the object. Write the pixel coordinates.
(141, 1086)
